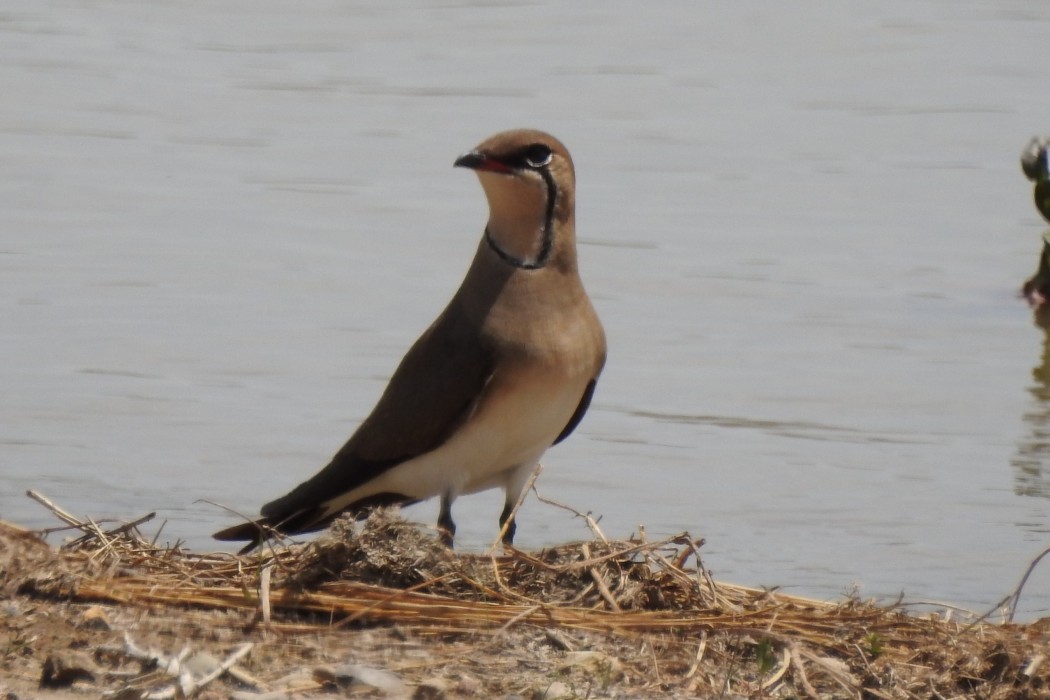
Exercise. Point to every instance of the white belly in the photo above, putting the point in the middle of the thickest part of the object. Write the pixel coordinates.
(514, 424)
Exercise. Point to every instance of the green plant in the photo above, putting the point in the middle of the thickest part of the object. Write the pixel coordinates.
(766, 656)
(874, 644)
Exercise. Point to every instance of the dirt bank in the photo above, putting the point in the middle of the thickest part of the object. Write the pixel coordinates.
(380, 609)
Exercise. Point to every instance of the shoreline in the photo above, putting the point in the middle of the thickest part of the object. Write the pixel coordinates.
(381, 609)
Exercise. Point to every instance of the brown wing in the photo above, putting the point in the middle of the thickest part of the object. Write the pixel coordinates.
(431, 393)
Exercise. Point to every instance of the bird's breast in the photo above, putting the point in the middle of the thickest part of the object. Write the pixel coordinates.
(523, 410)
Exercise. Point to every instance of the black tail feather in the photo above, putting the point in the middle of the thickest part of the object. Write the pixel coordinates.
(303, 521)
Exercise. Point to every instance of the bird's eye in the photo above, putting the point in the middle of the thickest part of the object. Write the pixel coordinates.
(537, 155)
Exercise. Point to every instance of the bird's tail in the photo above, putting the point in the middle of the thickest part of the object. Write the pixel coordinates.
(310, 519)
(271, 526)
(255, 532)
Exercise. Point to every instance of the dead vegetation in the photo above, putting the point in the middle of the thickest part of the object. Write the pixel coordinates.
(598, 619)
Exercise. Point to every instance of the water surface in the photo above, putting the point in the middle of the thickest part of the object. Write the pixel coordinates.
(803, 226)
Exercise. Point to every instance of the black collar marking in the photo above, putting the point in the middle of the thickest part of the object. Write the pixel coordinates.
(548, 232)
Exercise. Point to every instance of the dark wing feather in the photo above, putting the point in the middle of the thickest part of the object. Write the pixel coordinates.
(432, 392)
(577, 415)
(1041, 193)
(304, 520)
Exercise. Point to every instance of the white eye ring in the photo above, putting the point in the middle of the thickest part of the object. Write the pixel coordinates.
(538, 155)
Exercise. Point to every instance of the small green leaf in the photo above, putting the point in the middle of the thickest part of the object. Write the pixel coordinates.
(766, 656)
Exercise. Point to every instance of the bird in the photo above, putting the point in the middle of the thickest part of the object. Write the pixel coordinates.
(1036, 168)
(507, 370)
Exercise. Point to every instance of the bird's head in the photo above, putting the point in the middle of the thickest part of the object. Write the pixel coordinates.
(529, 181)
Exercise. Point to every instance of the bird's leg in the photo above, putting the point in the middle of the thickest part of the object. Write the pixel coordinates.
(446, 528)
(519, 482)
(508, 536)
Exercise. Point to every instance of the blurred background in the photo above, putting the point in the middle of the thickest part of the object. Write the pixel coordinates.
(804, 227)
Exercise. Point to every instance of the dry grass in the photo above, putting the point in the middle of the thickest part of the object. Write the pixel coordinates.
(649, 609)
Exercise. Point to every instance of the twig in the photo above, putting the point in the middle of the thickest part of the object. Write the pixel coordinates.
(392, 596)
(90, 527)
(1016, 597)
(690, 549)
(184, 684)
(1032, 666)
(618, 554)
(785, 662)
(848, 682)
(591, 522)
(947, 607)
(518, 618)
(702, 574)
(803, 679)
(600, 582)
(699, 655)
(153, 542)
(982, 618)
(264, 591)
(656, 661)
(231, 660)
(134, 651)
(730, 669)
(62, 515)
(133, 524)
(63, 528)
(245, 678)
(268, 533)
(559, 640)
(97, 534)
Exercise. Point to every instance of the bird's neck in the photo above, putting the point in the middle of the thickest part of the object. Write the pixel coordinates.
(520, 229)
